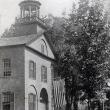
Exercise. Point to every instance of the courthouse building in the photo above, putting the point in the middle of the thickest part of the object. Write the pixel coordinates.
(26, 64)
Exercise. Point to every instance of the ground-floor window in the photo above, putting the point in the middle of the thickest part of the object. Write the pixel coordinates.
(8, 101)
(32, 101)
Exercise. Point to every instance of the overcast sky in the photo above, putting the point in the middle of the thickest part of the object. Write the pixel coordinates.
(9, 9)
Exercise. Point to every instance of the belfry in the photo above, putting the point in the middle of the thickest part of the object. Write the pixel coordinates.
(29, 21)
(29, 8)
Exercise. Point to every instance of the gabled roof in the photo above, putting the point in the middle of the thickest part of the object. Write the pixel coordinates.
(11, 41)
(26, 40)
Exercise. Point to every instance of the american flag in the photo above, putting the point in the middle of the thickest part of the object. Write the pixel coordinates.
(58, 94)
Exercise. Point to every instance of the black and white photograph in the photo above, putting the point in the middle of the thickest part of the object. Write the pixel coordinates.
(54, 54)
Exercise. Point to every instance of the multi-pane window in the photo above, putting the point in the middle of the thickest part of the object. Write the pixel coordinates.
(44, 74)
(32, 101)
(42, 48)
(32, 69)
(7, 67)
(8, 101)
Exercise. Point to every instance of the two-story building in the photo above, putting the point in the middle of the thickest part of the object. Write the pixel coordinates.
(25, 73)
(26, 63)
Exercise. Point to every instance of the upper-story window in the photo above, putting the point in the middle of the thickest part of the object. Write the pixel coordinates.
(44, 74)
(42, 49)
(7, 67)
(32, 101)
(32, 69)
(8, 101)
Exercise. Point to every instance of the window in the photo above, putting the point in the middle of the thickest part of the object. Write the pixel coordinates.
(52, 71)
(44, 74)
(8, 101)
(42, 48)
(32, 101)
(32, 70)
(7, 67)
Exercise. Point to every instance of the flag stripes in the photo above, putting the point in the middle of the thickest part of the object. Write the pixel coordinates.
(59, 94)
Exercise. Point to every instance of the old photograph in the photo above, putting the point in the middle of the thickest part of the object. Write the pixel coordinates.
(54, 54)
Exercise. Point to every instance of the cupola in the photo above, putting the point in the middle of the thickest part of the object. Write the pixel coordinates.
(29, 8)
(29, 21)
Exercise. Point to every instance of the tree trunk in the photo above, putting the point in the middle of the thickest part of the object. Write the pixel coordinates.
(68, 106)
(75, 105)
(89, 103)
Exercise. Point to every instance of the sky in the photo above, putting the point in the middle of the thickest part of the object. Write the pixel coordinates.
(9, 9)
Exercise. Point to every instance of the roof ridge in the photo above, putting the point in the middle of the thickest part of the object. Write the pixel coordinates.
(18, 40)
(17, 36)
(38, 35)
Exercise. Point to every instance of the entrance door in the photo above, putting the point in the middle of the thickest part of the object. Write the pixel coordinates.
(44, 100)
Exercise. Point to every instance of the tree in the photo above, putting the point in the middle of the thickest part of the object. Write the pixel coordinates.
(85, 30)
(9, 32)
(68, 69)
(55, 32)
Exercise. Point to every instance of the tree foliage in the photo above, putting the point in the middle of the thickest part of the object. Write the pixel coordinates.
(87, 35)
(9, 32)
(55, 32)
(68, 69)
(82, 45)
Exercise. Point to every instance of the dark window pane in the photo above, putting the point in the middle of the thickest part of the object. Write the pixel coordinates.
(8, 101)
(7, 67)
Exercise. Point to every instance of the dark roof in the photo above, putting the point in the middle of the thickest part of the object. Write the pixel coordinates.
(18, 40)
(13, 41)
(30, 1)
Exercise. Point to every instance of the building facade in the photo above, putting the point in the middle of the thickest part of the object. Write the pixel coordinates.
(26, 60)
(25, 73)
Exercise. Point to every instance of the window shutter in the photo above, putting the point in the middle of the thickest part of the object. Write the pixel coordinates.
(29, 69)
(34, 70)
(45, 74)
(41, 73)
